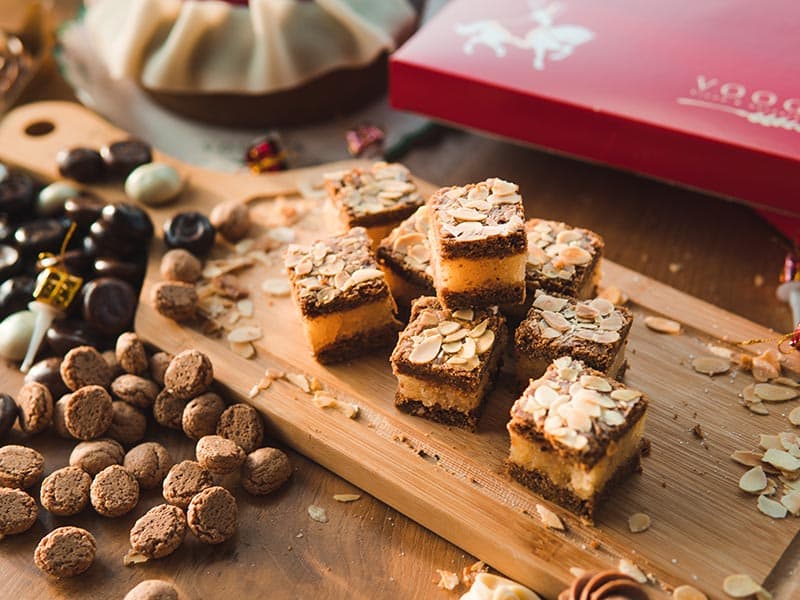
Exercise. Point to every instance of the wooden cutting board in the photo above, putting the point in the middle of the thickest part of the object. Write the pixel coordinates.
(451, 481)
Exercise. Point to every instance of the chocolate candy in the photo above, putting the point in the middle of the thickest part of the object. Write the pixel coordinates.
(132, 272)
(51, 199)
(8, 414)
(109, 305)
(124, 156)
(6, 229)
(15, 293)
(110, 244)
(17, 194)
(128, 220)
(191, 231)
(48, 374)
(66, 334)
(10, 261)
(81, 164)
(77, 262)
(83, 209)
(40, 235)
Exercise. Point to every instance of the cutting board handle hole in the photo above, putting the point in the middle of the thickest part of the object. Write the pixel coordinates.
(40, 128)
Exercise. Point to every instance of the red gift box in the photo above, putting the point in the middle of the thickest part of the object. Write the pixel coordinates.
(705, 94)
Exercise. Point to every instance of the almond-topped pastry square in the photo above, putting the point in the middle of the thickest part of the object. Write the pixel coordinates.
(575, 433)
(594, 331)
(344, 301)
(445, 361)
(377, 198)
(405, 256)
(478, 244)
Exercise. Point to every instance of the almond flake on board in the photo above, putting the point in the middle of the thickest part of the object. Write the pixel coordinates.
(771, 508)
(276, 286)
(245, 307)
(447, 580)
(549, 518)
(243, 349)
(747, 458)
(248, 333)
(758, 408)
(687, 592)
(781, 459)
(711, 365)
(346, 497)
(792, 502)
(740, 586)
(638, 522)
(753, 481)
(299, 380)
(662, 325)
(794, 416)
(769, 392)
(317, 513)
(628, 568)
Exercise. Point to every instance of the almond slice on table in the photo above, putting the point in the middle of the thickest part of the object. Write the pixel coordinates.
(770, 392)
(249, 333)
(638, 522)
(767, 441)
(794, 416)
(753, 481)
(747, 458)
(782, 460)
(628, 568)
(243, 349)
(711, 365)
(346, 497)
(740, 586)
(758, 408)
(662, 325)
(771, 508)
(550, 519)
(792, 502)
(687, 592)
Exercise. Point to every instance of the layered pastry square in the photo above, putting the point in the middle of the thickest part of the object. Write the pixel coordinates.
(446, 361)
(575, 434)
(377, 198)
(478, 244)
(405, 256)
(343, 297)
(593, 331)
(562, 260)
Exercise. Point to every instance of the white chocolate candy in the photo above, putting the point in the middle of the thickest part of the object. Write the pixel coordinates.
(51, 199)
(15, 334)
(154, 184)
(493, 587)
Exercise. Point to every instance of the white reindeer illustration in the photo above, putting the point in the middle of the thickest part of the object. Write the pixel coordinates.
(546, 40)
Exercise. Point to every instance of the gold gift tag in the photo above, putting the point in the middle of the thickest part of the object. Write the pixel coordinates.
(57, 287)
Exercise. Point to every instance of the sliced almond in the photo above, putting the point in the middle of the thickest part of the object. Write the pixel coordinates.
(764, 370)
(586, 312)
(767, 441)
(465, 314)
(245, 307)
(362, 275)
(448, 327)
(478, 330)
(788, 440)
(758, 408)
(740, 586)
(427, 350)
(753, 481)
(593, 382)
(638, 522)
(552, 303)
(447, 580)
(575, 255)
(451, 347)
(346, 497)
(747, 458)
(625, 394)
(549, 518)
(555, 320)
(687, 592)
(484, 343)
(549, 333)
(794, 416)
(249, 333)
(711, 365)
(134, 558)
(720, 351)
(628, 568)
(771, 508)
(769, 392)
(786, 381)
(466, 214)
(782, 460)
(614, 295)
(243, 349)
(749, 394)
(299, 380)
(318, 514)
(792, 502)
(276, 287)
(662, 325)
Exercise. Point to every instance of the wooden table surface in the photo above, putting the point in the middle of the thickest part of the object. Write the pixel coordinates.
(715, 250)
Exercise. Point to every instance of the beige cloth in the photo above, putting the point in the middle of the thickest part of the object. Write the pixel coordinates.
(212, 46)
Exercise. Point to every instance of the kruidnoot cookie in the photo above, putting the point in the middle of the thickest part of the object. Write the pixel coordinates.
(201, 415)
(65, 492)
(153, 589)
(219, 454)
(184, 481)
(88, 412)
(135, 390)
(18, 511)
(158, 532)
(242, 424)
(265, 470)
(114, 491)
(128, 424)
(149, 463)
(96, 455)
(213, 515)
(189, 374)
(85, 366)
(59, 423)
(168, 409)
(131, 354)
(181, 265)
(20, 466)
(113, 363)
(65, 552)
(35, 405)
(158, 366)
(175, 300)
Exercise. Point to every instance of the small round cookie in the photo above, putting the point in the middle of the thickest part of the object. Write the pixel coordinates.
(149, 463)
(20, 466)
(85, 366)
(265, 470)
(231, 219)
(201, 415)
(135, 390)
(159, 531)
(59, 424)
(113, 363)
(96, 455)
(168, 409)
(88, 412)
(131, 354)
(189, 374)
(175, 300)
(128, 424)
(35, 407)
(18, 511)
(152, 589)
(181, 265)
(219, 454)
(158, 366)
(184, 481)
(65, 491)
(242, 424)
(65, 552)
(114, 491)
(212, 515)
